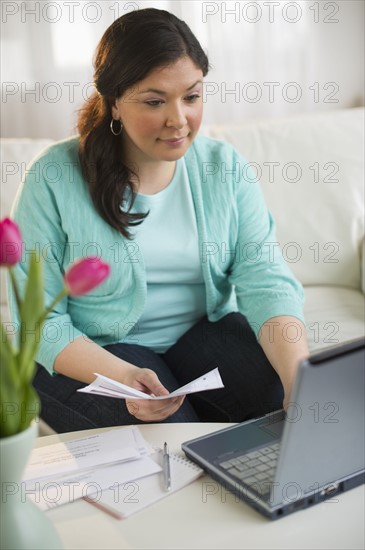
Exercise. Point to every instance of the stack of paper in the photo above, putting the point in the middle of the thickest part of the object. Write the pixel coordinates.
(63, 472)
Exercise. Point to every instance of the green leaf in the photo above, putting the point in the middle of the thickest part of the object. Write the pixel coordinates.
(10, 413)
(18, 410)
(31, 310)
(10, 388)
(9, 373)
(30, 407)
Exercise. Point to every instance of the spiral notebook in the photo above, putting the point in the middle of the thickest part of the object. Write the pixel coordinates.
(126, 499)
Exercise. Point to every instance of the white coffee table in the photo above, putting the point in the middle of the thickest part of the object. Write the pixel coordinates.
(204, 515)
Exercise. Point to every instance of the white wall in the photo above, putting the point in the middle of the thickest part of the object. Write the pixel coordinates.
(321, 55)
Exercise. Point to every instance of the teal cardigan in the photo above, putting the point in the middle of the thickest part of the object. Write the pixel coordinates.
(242, 264)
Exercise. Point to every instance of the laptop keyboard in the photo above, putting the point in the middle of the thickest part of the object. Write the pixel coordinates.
(255, 467)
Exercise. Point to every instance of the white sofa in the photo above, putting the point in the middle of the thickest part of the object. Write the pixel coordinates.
(311, 168)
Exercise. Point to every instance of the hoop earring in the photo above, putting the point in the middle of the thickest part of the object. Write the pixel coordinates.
(112, 127)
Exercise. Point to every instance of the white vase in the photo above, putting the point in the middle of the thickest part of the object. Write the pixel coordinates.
(23, 524)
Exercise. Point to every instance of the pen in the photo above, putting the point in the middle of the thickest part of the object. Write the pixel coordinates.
(166, 468)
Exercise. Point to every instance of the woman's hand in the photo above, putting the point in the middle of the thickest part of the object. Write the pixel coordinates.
(82, 358)
(284, 354)
(286, 401)
(149, 410)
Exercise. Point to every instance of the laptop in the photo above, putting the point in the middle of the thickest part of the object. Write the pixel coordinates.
(284, 462)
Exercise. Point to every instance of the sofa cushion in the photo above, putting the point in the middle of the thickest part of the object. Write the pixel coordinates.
(333, 315)
(311, 168)
(15, 155)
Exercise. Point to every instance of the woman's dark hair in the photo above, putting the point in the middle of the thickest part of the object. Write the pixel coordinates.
(130, 48)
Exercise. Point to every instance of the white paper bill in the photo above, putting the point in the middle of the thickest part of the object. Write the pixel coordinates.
(121, 478)
(86, 453)
(65, 473)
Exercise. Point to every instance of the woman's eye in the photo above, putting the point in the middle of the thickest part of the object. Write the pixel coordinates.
(192, 98)
(154, 102)
(157, 102)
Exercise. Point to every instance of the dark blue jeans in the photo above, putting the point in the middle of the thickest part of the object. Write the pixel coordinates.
(251, 386)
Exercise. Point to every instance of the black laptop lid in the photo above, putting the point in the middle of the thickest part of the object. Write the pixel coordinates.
(323, 437)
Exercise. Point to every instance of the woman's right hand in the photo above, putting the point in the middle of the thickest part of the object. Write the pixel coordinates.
(149, 410)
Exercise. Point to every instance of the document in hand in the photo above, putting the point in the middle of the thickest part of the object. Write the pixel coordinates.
(108, 387)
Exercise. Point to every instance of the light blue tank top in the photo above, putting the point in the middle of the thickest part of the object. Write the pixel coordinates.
(168, 241)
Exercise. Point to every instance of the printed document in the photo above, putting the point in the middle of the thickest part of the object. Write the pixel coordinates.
(86, 453)
(108, 387)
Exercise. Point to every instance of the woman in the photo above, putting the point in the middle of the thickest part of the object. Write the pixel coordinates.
(194, 281)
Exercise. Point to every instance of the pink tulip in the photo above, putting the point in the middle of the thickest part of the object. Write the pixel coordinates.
(86, 274)
(10, 243)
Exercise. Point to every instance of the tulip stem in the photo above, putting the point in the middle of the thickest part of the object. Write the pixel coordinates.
(15, 289)
(59, 297)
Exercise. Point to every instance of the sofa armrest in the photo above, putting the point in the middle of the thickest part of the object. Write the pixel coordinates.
(44, 429)
(362, 264)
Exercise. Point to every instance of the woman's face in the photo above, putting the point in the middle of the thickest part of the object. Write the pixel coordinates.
(162, 113)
